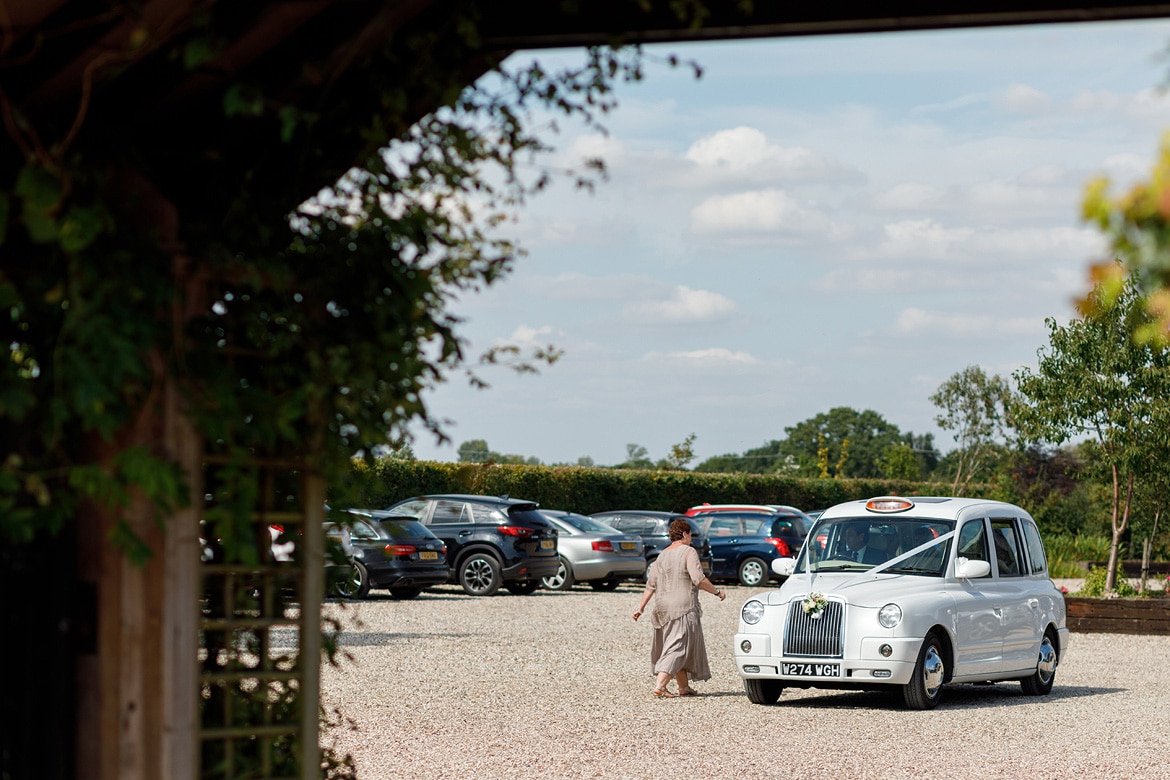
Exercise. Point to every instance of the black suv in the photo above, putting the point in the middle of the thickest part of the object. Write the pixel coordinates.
(654, 527)
(491, 540)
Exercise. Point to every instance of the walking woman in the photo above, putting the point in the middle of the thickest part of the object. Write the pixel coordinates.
(678, 649)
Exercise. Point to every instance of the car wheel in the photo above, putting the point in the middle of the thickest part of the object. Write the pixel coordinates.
(1040, 683)
(605, 584)
(763, 691)
(479, 575)
(924, 690)
(405, 592)
(649, 566)
(523, 587)
(562, 580)
(752, 572)
(355, 584)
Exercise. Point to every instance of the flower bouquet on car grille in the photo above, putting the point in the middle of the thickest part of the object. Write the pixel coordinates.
(814, 604)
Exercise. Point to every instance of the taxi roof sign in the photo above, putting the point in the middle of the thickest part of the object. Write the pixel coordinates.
(888, 504)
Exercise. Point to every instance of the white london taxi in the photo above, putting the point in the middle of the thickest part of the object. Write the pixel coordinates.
(909, 592)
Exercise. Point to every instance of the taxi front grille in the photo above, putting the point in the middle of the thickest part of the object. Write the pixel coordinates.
(818, 637)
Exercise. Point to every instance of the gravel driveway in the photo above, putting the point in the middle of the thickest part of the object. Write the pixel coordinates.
(557, 685)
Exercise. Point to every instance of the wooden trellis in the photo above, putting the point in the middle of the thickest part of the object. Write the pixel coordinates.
(260, 638)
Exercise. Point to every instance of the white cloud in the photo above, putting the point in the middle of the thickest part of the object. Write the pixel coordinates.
(1145, 104)
(1022, 99)
(916, 321)
(684, 305)
(910, 197)
(760, 212)
(525, 336)
(712, 356)
(868, 280)
(745, 154)
(921, 238)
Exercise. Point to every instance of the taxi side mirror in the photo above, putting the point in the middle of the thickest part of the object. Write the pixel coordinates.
(971, 570)
(784, 566)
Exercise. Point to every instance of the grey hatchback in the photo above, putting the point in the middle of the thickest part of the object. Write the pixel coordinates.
(491, 540)
(654, 528)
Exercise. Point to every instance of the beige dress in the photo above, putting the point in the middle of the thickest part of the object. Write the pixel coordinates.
(678, 634)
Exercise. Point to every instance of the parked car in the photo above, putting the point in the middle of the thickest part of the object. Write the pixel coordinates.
(704, 508)
(654, 528)
(593, 552)
(745, 542)
(964, 597)
(388, 551)
(492, 541)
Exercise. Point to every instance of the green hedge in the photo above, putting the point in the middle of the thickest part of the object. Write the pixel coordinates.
(589, 490)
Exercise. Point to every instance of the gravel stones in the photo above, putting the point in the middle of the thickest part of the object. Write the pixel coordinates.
(557, 685)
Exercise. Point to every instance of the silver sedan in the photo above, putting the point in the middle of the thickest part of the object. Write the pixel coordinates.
(593, 552)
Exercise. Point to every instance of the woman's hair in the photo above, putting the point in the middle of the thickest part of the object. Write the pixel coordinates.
(679, 527)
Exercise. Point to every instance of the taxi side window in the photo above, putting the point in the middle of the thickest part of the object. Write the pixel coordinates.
(973, 542)
(1007, 548)
(1036, 557)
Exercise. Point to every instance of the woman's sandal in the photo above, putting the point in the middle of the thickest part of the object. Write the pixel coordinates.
(662, 693)
(688, 692)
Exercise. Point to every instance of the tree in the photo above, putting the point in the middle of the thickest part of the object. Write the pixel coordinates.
(975, 406)
(680, 455)
(475, 451)
(168, 271)
(842, 442)
(637, 457)
(899, 461)
(765, 459)
(1095, 381)
(1137, 227)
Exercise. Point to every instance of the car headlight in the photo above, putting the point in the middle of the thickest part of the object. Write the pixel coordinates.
(752, 612)
(890, 615)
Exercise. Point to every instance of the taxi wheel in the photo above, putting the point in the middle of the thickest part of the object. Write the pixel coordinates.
(924, 691)
(752, 572)
(479, 575)
(355, 584)
(562, 580)
(763, 691)
(1040, 683)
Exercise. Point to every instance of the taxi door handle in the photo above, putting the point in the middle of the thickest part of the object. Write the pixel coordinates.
(1034, 603)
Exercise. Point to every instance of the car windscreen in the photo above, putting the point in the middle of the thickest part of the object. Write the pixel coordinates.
(860, 543)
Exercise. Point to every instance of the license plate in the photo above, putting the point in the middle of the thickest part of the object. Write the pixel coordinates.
(428, 555)
(811, 670)
(629, 545)
(548, 544)
(706, 566)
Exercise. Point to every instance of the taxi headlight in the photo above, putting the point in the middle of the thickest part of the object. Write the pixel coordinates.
(752, 612)
(890, 615)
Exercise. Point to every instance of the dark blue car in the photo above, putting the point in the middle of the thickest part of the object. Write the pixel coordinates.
(744, 543)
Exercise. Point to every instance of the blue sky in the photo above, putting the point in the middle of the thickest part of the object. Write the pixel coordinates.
(816, 222)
